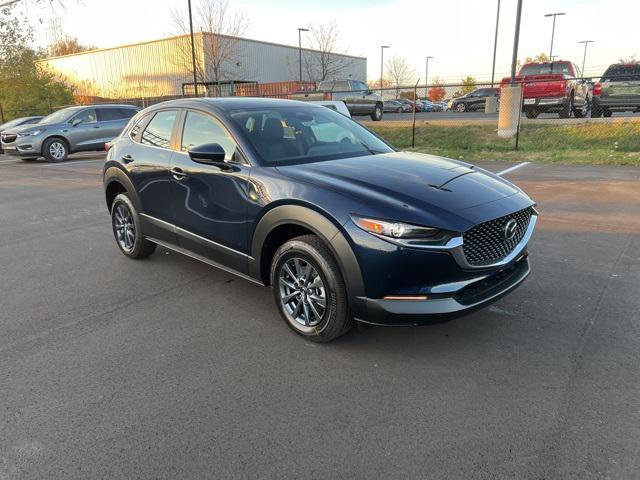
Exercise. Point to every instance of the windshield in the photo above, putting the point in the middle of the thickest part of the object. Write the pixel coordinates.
(546, 68)
(286, 135)
(60, 116)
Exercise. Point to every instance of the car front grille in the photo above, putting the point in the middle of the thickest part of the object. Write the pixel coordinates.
(9, 138)
(488, 242)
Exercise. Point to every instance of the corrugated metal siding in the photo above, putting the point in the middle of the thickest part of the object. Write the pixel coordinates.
(160, 67)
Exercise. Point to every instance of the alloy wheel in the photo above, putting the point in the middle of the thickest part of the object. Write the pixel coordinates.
(302, 293)
(124, 228)
(57, 150)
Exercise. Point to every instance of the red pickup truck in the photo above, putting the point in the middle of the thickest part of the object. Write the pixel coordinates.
(552, 87)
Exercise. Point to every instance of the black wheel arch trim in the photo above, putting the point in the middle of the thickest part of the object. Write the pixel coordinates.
(324, 228)
(114, 174)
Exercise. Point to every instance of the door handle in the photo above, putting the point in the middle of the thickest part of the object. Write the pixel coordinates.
(127, 159)
(178, 173)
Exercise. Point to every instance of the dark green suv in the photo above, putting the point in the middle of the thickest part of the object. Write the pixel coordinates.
(617, 91)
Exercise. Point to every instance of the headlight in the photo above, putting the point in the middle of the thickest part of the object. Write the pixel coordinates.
(30, 134)
(409, 235)
(395, 229)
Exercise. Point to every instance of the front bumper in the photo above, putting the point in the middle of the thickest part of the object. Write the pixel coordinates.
(27, 147)
(442, 308)
(406, 285)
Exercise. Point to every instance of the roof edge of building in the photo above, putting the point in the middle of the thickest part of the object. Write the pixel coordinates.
(173, 37)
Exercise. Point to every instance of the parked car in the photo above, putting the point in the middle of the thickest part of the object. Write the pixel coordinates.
(335, 105)
(17, 122)
(392, 106)
(339, 223)
(473, 101)
(617, 91)
(419, 105)
(428, 105)
(70, 130)
(552, 87)
(407, 105)
(357, 96)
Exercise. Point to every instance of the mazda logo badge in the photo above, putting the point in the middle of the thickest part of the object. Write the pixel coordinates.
(510, 229)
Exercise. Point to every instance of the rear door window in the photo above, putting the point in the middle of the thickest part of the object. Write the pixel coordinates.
(109, 114)
(158, 132)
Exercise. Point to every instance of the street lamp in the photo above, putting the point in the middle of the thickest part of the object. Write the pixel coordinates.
(553, 29)
(426, 76)
(584, 57)
(382, 47)
(193, 51)
(495, 45)
(300, 30)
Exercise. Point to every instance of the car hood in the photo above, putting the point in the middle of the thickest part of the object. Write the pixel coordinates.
(415, 187)
(32, 126)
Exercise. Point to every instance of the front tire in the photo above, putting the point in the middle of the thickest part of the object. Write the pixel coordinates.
(567, 109)
(55, 150)
(461, 107)
(376, 115)
(309, 290)
(125, 223)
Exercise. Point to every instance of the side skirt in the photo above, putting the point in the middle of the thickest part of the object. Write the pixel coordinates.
(202, 259)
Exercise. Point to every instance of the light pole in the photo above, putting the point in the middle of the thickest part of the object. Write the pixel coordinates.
(584, 57)
(382, 47)
(516, 40)
(426, 76)
(553, 29)
(193, 51)
(300, 30)
(495, 45)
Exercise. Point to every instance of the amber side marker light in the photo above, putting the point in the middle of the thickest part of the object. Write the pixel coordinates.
(405, 297)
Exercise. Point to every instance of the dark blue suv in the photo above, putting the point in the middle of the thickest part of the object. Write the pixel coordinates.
(342, 225)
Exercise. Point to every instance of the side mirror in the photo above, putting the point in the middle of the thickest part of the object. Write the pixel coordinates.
(75, 122)
(209, 153)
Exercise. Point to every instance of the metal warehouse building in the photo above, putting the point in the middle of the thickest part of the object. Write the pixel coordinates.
(164, 67)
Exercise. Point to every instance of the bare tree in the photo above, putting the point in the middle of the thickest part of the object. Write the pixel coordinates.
(399, 72)
(326, 62)
(216, 54)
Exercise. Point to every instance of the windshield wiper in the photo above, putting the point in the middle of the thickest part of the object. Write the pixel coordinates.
(369, 149)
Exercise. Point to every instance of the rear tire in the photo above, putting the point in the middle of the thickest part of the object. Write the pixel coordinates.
(55, 150)
(127, 231)
(581, 112)
(376, 115)
(567, 109)
(607, 113)
(596, 112)
(532, 113)
(304, 277)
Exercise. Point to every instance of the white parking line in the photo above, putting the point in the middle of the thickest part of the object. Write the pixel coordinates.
(511, 169)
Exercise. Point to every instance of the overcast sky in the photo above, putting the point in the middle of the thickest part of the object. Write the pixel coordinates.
(458, 33)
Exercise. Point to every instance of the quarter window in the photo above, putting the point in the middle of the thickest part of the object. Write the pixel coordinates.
(200, 129)
(158, 132)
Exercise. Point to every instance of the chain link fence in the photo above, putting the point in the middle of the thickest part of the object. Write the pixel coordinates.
(561, 120)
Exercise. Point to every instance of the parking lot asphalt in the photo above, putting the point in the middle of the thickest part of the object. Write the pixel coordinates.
(169, 368)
